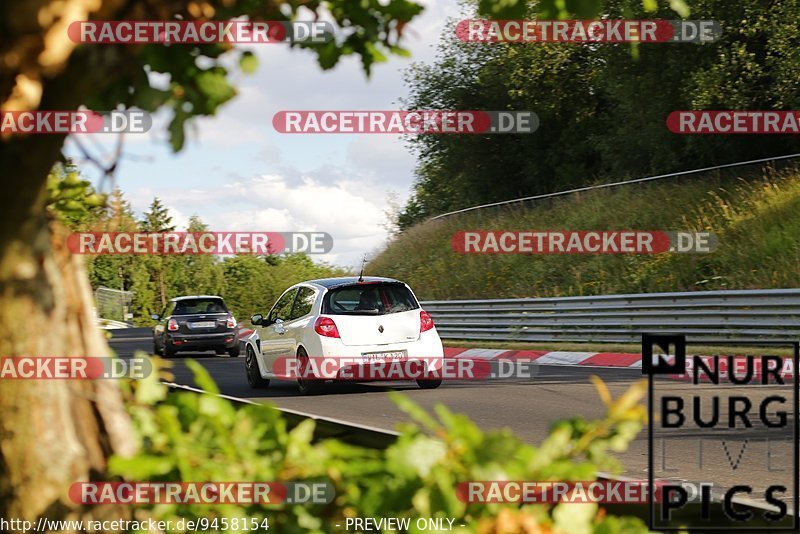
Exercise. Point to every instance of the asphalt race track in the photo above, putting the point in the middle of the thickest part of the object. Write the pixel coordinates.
(528, 406)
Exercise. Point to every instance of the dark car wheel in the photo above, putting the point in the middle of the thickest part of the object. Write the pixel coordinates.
(233, 352)
(156, 349)
(251, 368)
(306, 386)
(429, 384)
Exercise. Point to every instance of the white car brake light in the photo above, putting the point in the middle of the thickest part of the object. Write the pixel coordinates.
(425, 321)
(325, 326)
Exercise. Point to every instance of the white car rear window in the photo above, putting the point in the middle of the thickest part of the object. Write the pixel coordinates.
(369, 299)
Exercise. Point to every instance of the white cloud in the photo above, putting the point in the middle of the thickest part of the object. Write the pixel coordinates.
(270, 203)
(234, 122)
(381, 158)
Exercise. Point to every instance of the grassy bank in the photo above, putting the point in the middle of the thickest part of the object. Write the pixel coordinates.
(757, 222)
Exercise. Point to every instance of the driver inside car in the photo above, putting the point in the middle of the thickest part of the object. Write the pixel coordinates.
(368, 300)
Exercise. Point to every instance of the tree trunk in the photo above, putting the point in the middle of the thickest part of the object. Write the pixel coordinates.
(162, 288)
(52, 432)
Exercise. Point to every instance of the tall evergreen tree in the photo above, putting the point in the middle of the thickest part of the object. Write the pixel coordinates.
(157, 219)
(197, 273)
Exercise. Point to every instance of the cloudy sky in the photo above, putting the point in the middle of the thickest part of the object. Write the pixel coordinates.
(238, 174)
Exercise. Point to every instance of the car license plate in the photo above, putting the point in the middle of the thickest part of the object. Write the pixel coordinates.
(203, 324)
(383, 356)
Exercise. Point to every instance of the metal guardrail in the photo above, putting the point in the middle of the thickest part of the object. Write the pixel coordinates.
(108, 324)
(707, 316)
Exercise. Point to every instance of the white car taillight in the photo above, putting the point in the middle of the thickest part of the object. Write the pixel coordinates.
(425, 321)
(231, 322)
(325, 326)
(172, 325)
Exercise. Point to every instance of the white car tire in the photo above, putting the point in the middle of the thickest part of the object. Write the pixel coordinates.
(254, 377)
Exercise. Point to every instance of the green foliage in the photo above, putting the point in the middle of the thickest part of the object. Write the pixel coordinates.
(189, 437)
(162, 267)
(755, 217)
(602, 110)
(253, 284)
(199, 77)
(157, 218)
(565, 9)
(248, 62)
(121, 271)
(71, 198)
(198, 274)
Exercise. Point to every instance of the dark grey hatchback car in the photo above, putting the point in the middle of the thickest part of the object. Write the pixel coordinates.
(195, 323)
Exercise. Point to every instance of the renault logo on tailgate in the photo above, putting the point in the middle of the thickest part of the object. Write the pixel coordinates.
(380, 329)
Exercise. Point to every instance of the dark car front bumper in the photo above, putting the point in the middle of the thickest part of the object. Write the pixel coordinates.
(206, 341)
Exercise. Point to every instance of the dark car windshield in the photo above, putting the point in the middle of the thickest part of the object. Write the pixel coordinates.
(200, 305)
(369, 299)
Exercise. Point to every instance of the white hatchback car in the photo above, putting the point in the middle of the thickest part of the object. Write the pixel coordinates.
(343, 329)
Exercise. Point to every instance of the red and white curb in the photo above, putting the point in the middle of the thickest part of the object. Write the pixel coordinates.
(613, 359)
(556, 357)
